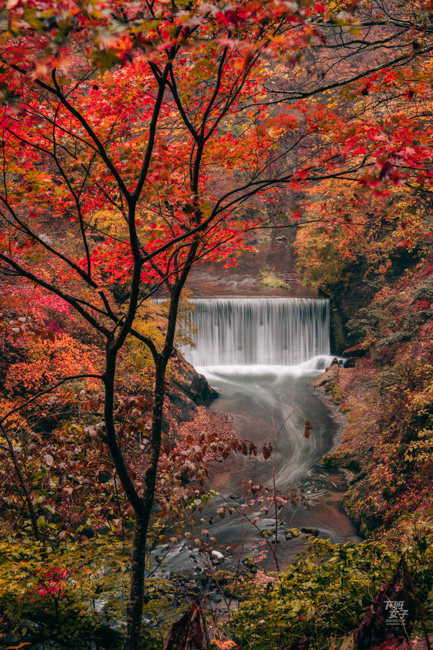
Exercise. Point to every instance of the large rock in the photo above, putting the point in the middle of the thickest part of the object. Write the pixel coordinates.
(188, 389)
(328, 382)
(350, 363)
(328, 377)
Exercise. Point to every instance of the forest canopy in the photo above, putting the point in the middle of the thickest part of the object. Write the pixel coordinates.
(139, 139)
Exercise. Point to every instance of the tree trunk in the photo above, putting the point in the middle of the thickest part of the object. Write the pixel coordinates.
(136, 592)
(144, 508)
(138, 557)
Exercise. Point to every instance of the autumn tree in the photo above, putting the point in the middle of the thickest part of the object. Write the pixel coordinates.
(134, 135)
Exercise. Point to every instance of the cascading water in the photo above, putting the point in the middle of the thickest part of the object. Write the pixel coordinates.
(279, 331)
(260, 355)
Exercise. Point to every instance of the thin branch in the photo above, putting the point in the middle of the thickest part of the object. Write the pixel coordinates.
(65, 296)
(90, 131)
(294, 95)
(48, 390)
(21, 481)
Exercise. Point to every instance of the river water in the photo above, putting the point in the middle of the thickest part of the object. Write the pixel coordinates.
(261, 354)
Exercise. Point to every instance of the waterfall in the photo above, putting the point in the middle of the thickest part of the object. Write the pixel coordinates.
(279, 331)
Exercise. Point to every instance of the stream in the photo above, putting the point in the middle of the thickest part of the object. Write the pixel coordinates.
(260, 354)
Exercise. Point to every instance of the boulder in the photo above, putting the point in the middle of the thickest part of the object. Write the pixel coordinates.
(330, 375)
(350, 363)
(188, 389)
(216, 557)
(185, 378)
(310, 531)
(185, 408)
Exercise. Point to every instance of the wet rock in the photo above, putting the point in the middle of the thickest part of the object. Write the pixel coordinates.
(329, 376)
(188, 389)
(350, 363)
(217, 557)
(189, 381)
(185, 408)
(292, 532)
(340, 459)
(357, 477)
(310, 531)
(329, 382)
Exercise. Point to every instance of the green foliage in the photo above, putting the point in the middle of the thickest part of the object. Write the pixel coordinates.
(338, 330)
(269, 279)
(324, 594)
(61, 594)
(368, 319)
(334, 390)
(77, 593)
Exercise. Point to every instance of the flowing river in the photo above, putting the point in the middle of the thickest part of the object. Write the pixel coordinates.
(261, 354)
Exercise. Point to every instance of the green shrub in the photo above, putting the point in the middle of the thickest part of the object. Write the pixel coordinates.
(269, 278)
(323, 595)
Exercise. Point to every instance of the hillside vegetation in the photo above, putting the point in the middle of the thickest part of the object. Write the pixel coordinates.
(388, 400)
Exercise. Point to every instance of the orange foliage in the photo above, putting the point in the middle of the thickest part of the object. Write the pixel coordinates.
(47, 362)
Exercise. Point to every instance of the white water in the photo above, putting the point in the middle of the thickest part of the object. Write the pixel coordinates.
(258, 332)
(260, 355)
(316, 365)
